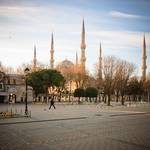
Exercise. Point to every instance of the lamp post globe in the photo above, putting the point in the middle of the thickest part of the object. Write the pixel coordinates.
(26, 71)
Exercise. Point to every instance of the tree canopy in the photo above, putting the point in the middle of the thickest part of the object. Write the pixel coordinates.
(79, 92)
(43, 79)
(91, 92)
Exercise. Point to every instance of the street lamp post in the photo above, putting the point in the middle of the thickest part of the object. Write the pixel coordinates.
(26, 71)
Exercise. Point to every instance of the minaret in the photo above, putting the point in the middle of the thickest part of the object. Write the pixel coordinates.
(34, 59)
(100, 63)
(52, 53)
(143, 66)
(83, 46)
(76, 58)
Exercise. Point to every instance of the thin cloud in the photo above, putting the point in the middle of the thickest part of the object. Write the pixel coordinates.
(120, 14)
(24, 25)
(118, 37)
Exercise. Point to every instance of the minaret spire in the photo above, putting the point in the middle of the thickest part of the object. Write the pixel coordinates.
(34, 59)
(83, 46)
(76, 58)
(143, 66)
(52, 53)
(100, 63)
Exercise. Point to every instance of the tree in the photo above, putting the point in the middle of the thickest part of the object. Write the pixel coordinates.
(99, 80)
(91, 92)
(115, 75)
(7, 69)
(43, 79)
(109, 72)
(60, 89)
(134, 87)
(67, 69)
(147, 87)
(79, 92)
(123, 72)
(81, 78)
(117, 79)
(35, 80)
(39, 66)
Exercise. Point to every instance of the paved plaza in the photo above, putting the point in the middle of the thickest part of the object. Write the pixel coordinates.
(76, 127)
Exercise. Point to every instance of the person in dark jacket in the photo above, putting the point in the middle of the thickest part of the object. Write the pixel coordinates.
(52, 102)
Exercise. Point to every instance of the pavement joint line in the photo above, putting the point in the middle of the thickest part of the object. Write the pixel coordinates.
(129, 114)
(47, 120)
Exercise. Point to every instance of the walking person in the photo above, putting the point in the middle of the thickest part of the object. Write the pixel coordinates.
(52, 102)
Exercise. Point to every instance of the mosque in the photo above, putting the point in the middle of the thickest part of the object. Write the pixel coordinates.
(66, 63)
(12, 86)
(81, 64)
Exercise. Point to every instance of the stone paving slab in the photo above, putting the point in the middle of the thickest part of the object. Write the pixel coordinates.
(78, 134)
(94, 132)
(41, 112)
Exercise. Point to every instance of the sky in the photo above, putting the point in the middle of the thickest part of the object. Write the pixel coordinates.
(118, 24)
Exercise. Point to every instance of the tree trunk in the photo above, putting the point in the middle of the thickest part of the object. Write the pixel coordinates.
(79, 100)
(109, 98)
(46, 93)
(90, 99)
(59, 96)
(129, 100)
(122, 99)
(69, 96)
(148, 97)
(104, 99)
(117, 96)
(95, 99)
(86, 99)
(99, 98)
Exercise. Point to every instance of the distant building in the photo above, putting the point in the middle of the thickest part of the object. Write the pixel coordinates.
(12, 88)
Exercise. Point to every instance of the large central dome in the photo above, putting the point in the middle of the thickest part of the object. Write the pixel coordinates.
(65, 63)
